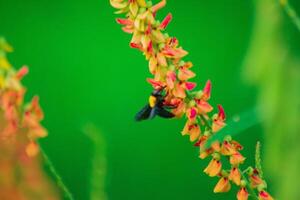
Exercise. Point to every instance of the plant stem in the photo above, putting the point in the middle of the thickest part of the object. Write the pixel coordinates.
(205, 122)
(58, 178)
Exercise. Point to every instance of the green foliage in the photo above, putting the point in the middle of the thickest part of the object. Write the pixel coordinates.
(236, 125)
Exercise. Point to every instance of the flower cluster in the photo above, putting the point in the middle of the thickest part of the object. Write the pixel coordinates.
(20, 167)
(16, 115)
(172, 74)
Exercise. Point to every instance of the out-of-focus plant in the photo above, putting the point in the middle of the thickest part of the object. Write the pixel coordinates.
(98, 170)
(171, 77)
(290, 11)
(273, 64)
(21, 173)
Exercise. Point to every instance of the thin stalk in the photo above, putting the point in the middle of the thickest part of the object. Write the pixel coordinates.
(205, 122)
(57, 177)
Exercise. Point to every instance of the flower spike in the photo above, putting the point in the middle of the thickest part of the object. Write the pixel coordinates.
(178, 93)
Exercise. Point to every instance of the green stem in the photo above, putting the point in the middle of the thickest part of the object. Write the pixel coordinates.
(57, 177)
(205, 122)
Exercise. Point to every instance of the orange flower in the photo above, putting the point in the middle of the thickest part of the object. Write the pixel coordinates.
(213, 168)
(242, 194)
(235, 176)
(179, 91)
(218, 120)
(32, 149)
(203, 106)
(236, 159)
(263, 195)
(201, 141)
(227, 149)
(174, 53)
(255, 179)
(236, 145)
(161, 59)
(184, 73)
(191, 129)
(170, 79)
(216, 146)
(179, 104)
(222, 186)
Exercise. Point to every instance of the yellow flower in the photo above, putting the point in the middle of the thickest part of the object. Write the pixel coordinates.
(235, 176)
(242, 194)
(4, 64)
(236, 159)
(222, 186)
(213, 168)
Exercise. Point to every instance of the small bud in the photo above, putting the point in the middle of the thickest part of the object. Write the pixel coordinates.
(216, 156)
(149, 4)
(228, 138)
(243, 183)
(199, 94)
(192, 103)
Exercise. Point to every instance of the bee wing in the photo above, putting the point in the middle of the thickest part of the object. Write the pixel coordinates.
(153, 112)
(164, 113)
(143, 114)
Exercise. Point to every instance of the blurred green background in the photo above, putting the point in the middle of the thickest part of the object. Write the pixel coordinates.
(84, 72)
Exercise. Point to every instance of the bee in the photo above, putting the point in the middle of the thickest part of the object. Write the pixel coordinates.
(154, 107)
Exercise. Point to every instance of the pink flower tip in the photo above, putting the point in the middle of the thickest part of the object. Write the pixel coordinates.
(155, 84)
(166, 21)
(190, 85)
(193, 113)
(207, 89)
(124, 21)
(221, 113)
(22, 72)
(135, 45)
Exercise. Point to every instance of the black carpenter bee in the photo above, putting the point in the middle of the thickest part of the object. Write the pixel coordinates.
(154, 107)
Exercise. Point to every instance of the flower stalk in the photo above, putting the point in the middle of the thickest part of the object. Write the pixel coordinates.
(172, 74)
